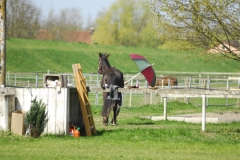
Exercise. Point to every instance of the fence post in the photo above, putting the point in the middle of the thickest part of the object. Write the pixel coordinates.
(186, 99)
(204, 84)
(20, 78)
(151, 98)
(199, 78)
(130, 98)
(227, 102)
(189, 83)
(15, 83)
(162, 83)
(206, 102)
(208, 83)
(186, 82)
(36, 80)
(90, 79)
(146, 94)
(165, 108)
(238, 82)
(203, 112)
(238, 88)
(227, 85)
(123, 98)
(169, 81)
(68, 79)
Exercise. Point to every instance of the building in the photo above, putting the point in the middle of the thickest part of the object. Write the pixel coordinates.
(232, 45)
(68, 36)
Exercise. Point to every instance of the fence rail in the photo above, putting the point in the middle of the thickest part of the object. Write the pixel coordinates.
(185, 79)
(194, 80)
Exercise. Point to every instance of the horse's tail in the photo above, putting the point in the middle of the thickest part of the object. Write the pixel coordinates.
(107, 105)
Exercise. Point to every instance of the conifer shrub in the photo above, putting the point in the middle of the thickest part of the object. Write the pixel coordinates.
(37, 118)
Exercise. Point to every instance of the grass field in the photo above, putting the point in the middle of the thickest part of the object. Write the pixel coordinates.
(134, 138)
(28, 55)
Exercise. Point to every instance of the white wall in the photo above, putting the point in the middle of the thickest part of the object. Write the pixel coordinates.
(57, 106)
(7, 106)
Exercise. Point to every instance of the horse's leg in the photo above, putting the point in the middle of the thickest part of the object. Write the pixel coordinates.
(105, 121)
(118, 109)
(105, 116)
(115, 113)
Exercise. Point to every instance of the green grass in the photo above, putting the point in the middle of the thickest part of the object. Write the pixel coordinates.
(134, 138)
(28, 55)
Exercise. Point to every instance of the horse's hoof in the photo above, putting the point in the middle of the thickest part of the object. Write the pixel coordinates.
(114, 124)
(104, 123)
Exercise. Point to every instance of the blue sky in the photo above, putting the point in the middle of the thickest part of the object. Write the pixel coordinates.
(88, 7)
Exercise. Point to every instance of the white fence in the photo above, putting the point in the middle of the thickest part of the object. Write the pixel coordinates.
(207, 80)
(192, 79)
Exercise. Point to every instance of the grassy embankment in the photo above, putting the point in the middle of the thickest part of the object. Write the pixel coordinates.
(26, 55)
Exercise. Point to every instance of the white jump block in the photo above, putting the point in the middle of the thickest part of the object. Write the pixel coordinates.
(176, 118)
(186, 119)
(199, 120)
(157, 118)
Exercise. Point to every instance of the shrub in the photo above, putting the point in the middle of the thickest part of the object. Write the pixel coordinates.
(36, 118)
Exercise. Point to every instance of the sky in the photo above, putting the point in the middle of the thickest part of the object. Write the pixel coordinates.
(87, 7)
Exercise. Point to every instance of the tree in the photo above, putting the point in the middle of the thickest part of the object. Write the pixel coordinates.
(127, 23)
(201, 22)
(23, 19)
(66, 20)
(90, 23)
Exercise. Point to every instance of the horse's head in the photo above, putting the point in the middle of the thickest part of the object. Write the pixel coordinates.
(102, 59)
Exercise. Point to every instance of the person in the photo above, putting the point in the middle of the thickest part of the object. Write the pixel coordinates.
(136, 85)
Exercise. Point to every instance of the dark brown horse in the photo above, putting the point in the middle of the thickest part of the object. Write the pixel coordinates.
(113, 79)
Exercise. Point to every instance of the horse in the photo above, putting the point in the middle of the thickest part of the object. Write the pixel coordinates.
(112, 78)
(163, 81)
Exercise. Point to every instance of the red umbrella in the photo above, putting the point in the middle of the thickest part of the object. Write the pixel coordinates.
(145, 68)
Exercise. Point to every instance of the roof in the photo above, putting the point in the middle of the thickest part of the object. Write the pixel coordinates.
(232, 43)
(68, 36)
(234, 46)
